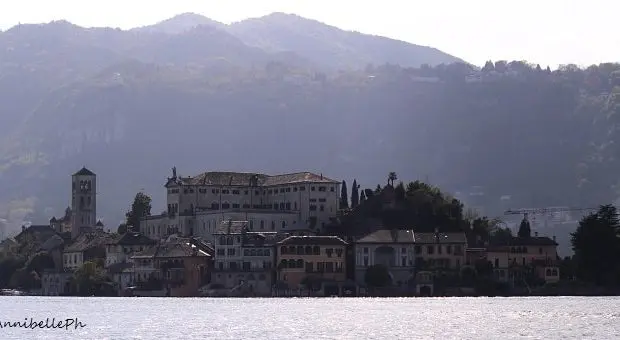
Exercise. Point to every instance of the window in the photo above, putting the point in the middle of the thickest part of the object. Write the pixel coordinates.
(283, 250)
(302, 188)
(322, 189)
(225, 205)
(332, 189)
(448, 249)
(262, 224)
(312, 188)
(430, 250)
(312, 207)
(231, 251)
(220, 252)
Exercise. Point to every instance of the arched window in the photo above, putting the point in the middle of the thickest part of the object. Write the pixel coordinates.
(229, 241)
(262, 224)
(291, 264)
(283, 264)
(283, 224)
(291, 250)
(251, 225)
(259, 252)
(273, 225)
(283, 250)
(308, 250)
(548, 272)
(253, 252)
(300, 263)
(316, 250)
(300, 250)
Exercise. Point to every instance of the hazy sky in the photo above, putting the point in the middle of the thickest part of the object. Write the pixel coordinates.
(549, 32)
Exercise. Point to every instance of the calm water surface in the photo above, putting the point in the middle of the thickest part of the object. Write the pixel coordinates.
(327, 318)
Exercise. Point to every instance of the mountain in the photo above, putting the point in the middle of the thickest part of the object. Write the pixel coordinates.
(331, 46)
(180, 23)
(131, 104)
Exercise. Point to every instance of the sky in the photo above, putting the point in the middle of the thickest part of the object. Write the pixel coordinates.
(547, 32)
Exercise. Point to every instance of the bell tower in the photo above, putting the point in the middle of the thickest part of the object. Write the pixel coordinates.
(83, 201)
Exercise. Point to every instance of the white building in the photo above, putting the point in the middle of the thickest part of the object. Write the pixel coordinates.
(196, 206)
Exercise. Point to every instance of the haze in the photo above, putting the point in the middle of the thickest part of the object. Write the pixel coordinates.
(550, 32)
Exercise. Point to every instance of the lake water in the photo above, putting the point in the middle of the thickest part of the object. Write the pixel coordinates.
(308, 318)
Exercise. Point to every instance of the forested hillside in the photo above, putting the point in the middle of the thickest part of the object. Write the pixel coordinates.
(132, 104)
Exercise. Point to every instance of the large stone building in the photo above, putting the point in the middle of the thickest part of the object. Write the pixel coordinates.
(196, 206)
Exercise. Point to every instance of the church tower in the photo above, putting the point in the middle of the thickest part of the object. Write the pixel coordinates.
(83, 201)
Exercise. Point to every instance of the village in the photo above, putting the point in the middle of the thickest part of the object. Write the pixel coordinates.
(257, 235)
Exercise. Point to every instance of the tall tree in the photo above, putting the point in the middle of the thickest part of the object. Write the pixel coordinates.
(355, 196)
(362, 197)
(140, 208)
(391, 178)
(595, 243)
(344, 196)
(524, 229)
(400, 192)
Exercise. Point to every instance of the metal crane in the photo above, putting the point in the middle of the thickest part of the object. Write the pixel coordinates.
(544, 211)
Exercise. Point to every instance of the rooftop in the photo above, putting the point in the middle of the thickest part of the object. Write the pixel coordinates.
(254, 179)
(84, 172)
(130, 239)
(389, 236)
(440, 238)
(314, 240)
(88, 240)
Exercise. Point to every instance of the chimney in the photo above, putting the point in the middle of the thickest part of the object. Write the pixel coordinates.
(321, 176)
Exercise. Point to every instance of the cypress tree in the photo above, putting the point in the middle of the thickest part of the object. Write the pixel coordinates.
(362, 197)
(355, 196)
(344, 196)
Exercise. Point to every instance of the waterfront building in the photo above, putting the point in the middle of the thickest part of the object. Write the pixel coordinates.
(312, 262)
(394, 249)
(196, 206)
(520, 256)
(244, 259)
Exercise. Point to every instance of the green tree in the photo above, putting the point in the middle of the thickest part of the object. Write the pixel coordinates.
(87, 280)
(344, 196)
(596, 245)
(362, 197)
(377, 276)
(378, 189)
(355, 196)
(122, 229)
(140, 208)
(524, 229)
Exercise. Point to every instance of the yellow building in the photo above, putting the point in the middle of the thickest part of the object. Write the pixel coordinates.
(537, 253)
(304, 259)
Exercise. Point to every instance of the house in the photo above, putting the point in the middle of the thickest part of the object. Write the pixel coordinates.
(514, 258)
(89, 246)
(440, 251)
(312, 262)
(177, 267)
(120, 247)
(197, 205)
(244, 262)
(394, 249)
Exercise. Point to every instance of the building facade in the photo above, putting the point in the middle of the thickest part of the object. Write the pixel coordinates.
(312, 260)
(244, 259)
(394, 249)
(196, 206)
